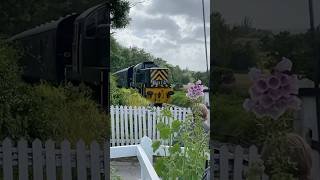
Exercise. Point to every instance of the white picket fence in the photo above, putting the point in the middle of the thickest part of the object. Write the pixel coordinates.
(130, 124)
(20, 161)
(49, 160)
(235, 165)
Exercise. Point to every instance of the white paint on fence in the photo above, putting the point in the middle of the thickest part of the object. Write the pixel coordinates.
(44, 160)
(130, 124)
(307, 121)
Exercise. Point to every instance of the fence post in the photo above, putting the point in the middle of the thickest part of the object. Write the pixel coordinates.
(50, 160)
(94, 160)
(81, 160)
(7, 159)
(37, 159)
(146, 144)
(23, 159)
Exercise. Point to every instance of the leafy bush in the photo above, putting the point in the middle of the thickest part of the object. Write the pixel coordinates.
(125, 97)
(221, 76)
(178, 164)
(231, 122)
(68, 112)
(44, 111)
(179, 98)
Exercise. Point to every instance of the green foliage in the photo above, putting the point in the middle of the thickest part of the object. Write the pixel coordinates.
(296, 47)
(221, 76)
(231, 122)
(67, 112)
(122, 57)
(277, 152)
(19, 16)
(114, 175)
(44, 111)
(178, 164)
(179, 98)
(125, 97)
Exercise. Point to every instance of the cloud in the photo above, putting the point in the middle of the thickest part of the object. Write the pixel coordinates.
(192, 9)
(169, 29)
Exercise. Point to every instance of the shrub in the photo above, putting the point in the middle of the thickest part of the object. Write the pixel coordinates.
(179, 98)
(44, 111)
(67, 112)
(231, 122)
(221, 76)
(130, 97)
(125, 97)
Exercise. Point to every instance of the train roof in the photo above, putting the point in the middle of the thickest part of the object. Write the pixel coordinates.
(43, 27)
(90, 10)
(123, 70)
(55, 23)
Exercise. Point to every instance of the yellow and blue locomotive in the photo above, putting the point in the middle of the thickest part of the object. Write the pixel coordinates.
(149, 79)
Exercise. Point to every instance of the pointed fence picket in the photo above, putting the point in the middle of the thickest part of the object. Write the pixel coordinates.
(20, 160)
(130, 124)
(233, 164)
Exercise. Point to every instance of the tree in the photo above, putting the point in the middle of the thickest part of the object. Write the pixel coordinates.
(19, 16)
(296, 47)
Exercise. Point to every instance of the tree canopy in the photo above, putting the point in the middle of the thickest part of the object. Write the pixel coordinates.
(122, 57)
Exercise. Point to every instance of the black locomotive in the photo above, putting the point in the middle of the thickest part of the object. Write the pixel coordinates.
(73, 48)
(150, 79)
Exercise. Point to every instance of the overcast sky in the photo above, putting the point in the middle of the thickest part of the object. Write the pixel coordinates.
(169, 29)
(276, 15)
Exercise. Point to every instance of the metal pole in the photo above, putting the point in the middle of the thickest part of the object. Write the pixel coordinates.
(205, 36)
(316, 64)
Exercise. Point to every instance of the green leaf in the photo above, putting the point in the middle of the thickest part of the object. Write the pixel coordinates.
(176, 125)
(156, 145)
(174, 149)
(165, 133)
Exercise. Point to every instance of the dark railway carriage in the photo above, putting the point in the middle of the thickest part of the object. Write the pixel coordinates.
(73, 48)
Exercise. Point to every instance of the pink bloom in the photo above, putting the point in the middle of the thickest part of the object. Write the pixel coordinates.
(198, 82)
(195, 91)
(284, 79)
(284, 65)
(273, 82)
(272, 94)
(275, 93)
(261, 85)
(266, 101)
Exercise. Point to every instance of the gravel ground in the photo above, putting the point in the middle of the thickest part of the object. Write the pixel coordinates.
(127, 168)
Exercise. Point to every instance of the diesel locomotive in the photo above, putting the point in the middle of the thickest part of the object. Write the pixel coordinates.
(74, 48)
(149, 79)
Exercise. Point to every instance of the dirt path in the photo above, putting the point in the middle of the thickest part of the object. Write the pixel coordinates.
(127, 168)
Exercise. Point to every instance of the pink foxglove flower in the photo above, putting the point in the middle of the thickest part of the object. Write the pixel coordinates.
(195, 91)
(273, 82)
(284, 65)
(273, 94)
(261, 85)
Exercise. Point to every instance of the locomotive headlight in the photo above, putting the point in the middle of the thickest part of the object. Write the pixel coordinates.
(170, 93)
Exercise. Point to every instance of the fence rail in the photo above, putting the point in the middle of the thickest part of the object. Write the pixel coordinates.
(130, 124)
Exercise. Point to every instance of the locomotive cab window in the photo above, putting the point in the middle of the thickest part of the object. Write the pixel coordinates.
(91, 26)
